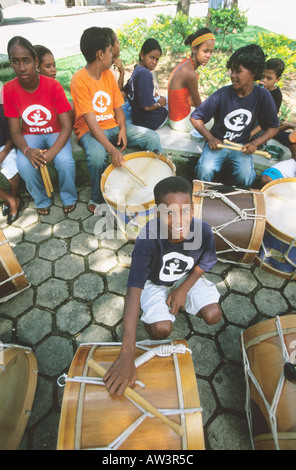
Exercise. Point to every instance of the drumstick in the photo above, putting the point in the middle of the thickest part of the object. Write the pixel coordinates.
(136, 397)
(134, 174)
(45, 180)
(240, 146)
(232, 147)
(48, 179)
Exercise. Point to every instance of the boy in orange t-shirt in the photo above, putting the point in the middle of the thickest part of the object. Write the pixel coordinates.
(99, 119)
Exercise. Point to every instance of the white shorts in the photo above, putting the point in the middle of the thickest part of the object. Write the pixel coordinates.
(184, 125)
(287, 168)
(153, 299)
(8, 166)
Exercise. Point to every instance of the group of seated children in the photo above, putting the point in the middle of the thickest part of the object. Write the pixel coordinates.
(174, 249)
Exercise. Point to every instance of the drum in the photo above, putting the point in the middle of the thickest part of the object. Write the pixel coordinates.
(277, 254)
(92, 418)
(237, 218)
(18, 379)
(132, 202)
(12, 277)
(269, 352)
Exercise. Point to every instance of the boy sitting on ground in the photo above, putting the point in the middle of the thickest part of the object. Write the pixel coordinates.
(171, 254)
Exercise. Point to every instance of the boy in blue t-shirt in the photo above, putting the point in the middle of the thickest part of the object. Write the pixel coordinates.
(171, 254)
(236, 109)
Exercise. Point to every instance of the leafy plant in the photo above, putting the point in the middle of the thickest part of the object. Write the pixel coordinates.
(225, 21)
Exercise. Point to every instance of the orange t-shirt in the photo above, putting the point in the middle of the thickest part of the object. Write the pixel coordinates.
(100, 97)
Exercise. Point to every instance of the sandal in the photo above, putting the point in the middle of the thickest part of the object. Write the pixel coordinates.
(68, 209)
(93, 207)
(43, 211)
(5, 209)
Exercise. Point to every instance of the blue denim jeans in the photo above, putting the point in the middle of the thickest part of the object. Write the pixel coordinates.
(63, 163)
(211, 162)
(97, 156)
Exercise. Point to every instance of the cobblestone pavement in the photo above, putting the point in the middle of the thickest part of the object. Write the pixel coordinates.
(77, 295)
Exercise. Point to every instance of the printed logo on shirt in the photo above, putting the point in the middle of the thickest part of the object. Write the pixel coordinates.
(174, 266)
(101, 101)
(238, 119)
(36, 115)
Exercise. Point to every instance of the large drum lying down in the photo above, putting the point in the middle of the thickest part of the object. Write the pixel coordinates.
(269, 352)
(132, 202)
(92, 418)
(237, 218)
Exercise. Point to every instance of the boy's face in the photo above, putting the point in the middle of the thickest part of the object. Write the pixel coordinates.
(241, 78)
(269, 79)
(175, 213)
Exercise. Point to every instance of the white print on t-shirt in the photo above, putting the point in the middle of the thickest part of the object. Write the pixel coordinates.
(238, 119)
(36, 115)
(174, 266)
(101, 101)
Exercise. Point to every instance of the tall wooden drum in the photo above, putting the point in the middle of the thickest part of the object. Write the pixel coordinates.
(237, 218)
(269, 352)
(12, 277)
(91, 418)
(132, 202)
(18, 379)
(277, 254)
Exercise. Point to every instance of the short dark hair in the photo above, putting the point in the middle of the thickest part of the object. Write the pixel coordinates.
(171, 184)
(189, 40)
(41, 51)
(93, 40)
(251, 57)
(20, 41)
(275, 64)
(111, 34)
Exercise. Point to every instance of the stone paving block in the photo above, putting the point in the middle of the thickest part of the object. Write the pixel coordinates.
(52, 293)
(125, 253)
(69, 266)
(267, 279)
(112, 240)
(56, 215)
(54, 355)
(13, 234)
(230, 387)
(6, 328)
(84, 243)
(242, 280)
(34, 326)
(200, 326)
(290, 293)
(18, 304)
(205, 355)
(67, 228)
(238, 309)
(207, 400)
(72, 317)
(230, 341)
(229, 432)
(46, 432)
(27, 217)
(24, 252)
(102, 260)
(43, 399)
(88, 286)
(81, 212)
(270, 302)
(94, 334)
(38, 270)
(38, 232)
(53, 249)
(117, 280)
(108, 309)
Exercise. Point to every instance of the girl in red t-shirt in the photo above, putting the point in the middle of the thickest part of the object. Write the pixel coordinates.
(40, 126)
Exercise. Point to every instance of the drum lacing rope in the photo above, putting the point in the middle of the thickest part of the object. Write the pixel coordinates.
(162, 351)
(284, 255)
(215, 194)
(274, 404)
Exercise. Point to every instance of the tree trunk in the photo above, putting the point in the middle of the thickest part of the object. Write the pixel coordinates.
(183, 5)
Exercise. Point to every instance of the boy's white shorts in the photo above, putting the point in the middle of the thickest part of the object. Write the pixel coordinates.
(155, 308)
(8, 167)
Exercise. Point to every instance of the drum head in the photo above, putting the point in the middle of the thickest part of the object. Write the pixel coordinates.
(18, 378)
(280, 197)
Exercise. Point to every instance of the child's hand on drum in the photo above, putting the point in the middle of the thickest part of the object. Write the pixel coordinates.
(121, 374)
(117, 157)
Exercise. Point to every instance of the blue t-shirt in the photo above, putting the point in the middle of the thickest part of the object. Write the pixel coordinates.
(140, 92)
(4, 130)
(235, 117)
(162, 262)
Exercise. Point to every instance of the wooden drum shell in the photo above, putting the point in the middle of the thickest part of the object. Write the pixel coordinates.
(264, 352)
(92, 418)
(245, 234)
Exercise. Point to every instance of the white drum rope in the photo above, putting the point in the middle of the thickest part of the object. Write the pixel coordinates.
(271, 409)
(281, 256)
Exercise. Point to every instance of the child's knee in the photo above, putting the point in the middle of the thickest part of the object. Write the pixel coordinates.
(159, 330)
(211, 314)
(265, 179)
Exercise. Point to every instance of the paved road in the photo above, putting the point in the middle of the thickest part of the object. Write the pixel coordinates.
(62, 34)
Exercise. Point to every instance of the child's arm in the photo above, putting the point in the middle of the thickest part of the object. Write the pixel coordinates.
(177, 297)
(198, 124)
(116, 157)
(251, 147)
(122, 373)
(7, 148)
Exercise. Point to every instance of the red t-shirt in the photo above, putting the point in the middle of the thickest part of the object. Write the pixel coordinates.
(39, 110)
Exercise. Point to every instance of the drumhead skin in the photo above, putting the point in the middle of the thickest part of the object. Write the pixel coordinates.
(262, 344)
(237, 239)
(18, 379)
(92, 418)
(278, 251)
(131, 202)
